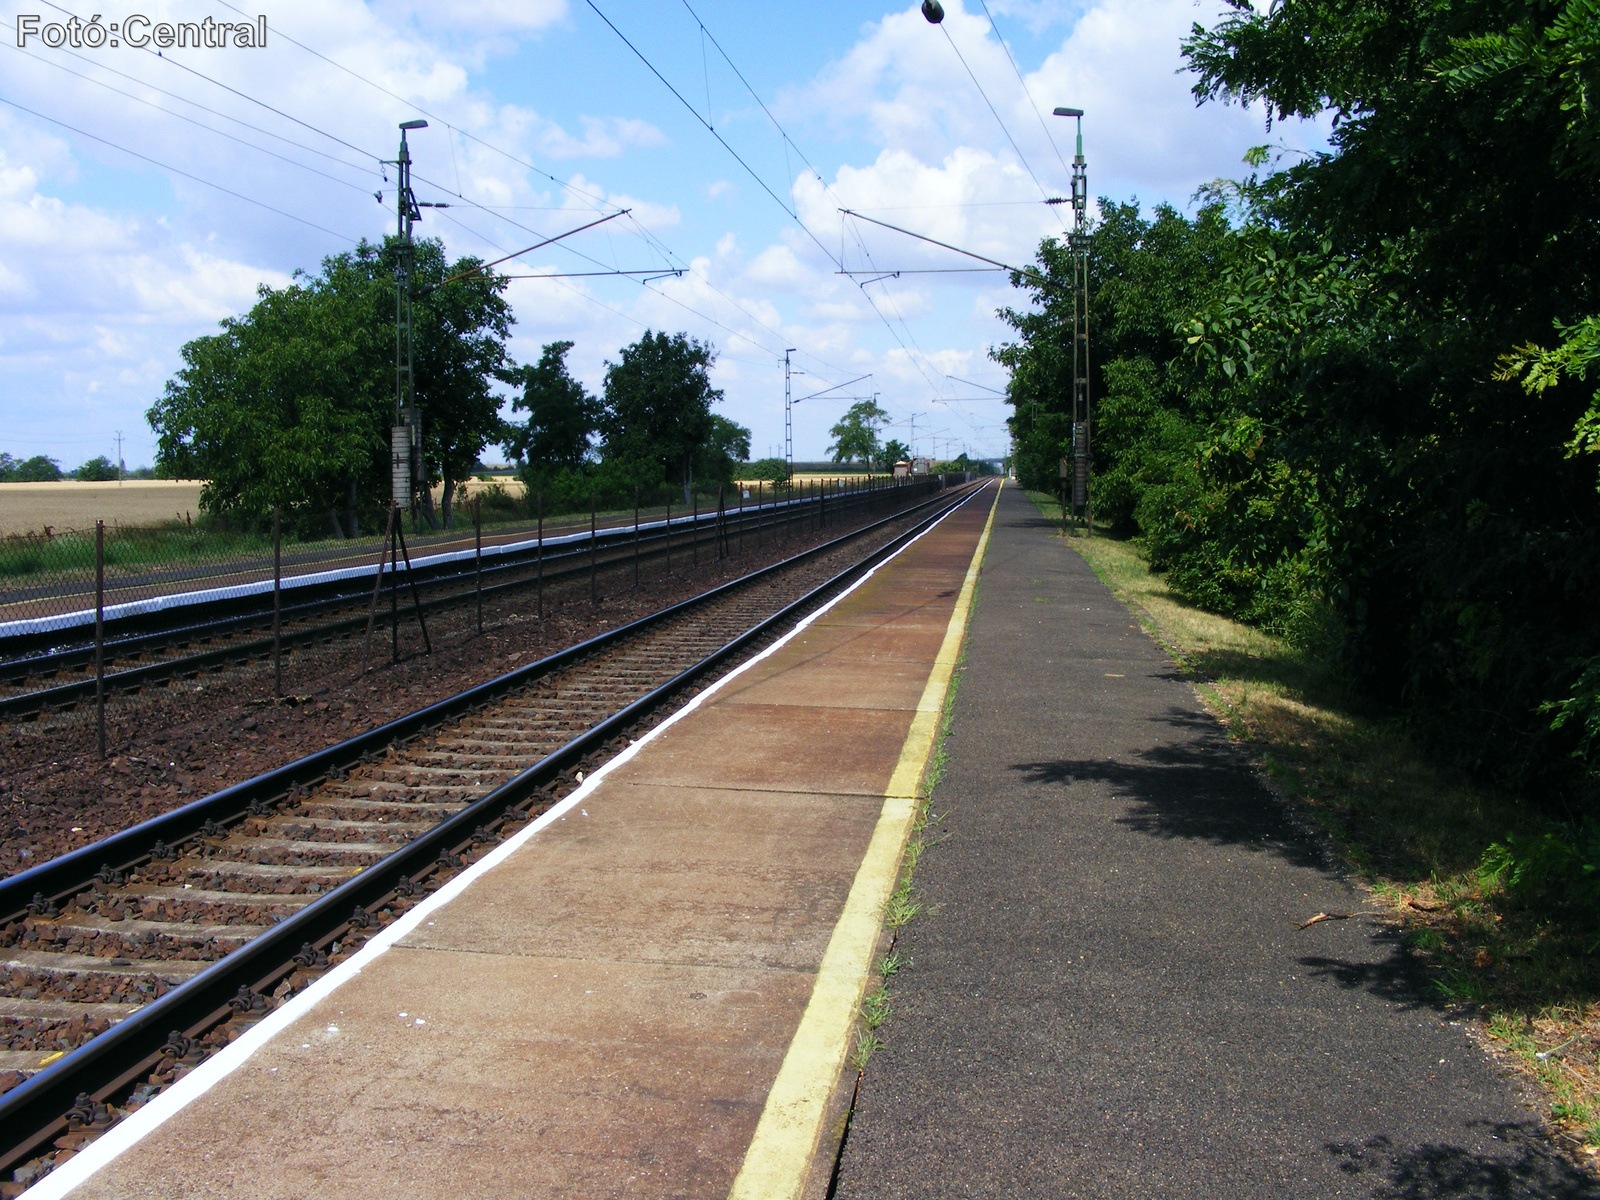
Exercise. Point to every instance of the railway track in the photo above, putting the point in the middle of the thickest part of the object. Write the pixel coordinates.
(138, 956)
(159, 648)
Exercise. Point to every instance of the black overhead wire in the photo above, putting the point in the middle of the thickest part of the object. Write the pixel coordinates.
(343, 162)
(791, 212)
(190, 120)
(751, 171)
(177, 171)
(1043, 124)
(559, 182)
(664, 295)
(649, 237)
(1023, 158)
(243, 96)
(790, 143)
(673, 261)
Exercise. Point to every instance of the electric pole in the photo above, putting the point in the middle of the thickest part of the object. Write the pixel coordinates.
(119, 458)
(788, 415)
(1082, 408)
(406, 475)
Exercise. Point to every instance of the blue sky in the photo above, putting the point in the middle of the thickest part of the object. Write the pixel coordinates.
(108, 264)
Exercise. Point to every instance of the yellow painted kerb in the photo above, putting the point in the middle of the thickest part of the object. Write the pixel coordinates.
(780, 1155)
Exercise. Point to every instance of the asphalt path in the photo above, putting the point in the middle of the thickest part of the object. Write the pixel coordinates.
(1109, 996)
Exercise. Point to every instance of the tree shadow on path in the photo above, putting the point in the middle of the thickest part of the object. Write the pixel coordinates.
(1436, 1172)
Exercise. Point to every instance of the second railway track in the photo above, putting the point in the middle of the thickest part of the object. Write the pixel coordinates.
(143, 953)
(44, 672)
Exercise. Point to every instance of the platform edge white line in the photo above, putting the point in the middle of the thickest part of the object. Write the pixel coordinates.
(139, 1125)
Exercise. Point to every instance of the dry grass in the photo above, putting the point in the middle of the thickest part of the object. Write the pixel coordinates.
(70, 504)
(1413, 831)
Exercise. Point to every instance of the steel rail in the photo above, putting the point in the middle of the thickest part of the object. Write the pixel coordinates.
(66, 874)
(618, 541)
(16, 648)
(34, 1111)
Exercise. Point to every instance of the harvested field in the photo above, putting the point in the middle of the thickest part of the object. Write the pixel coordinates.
(71, 504)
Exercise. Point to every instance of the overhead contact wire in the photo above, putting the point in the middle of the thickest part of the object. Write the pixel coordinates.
(177, 171)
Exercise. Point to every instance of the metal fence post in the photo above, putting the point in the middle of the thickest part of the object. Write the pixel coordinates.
(394, 589)
(100, 634)
(594, 597)
(721, 526)
(477, 555)
(669, 532)
(277, 603)
(540, 589)
(636, 538)
(694, 524)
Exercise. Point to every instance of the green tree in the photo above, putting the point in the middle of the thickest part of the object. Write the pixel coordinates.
(562, 416)
(726, 447)
(891, 452)
(657, 406)
(37, 469)
(855, 436)
(98, 469)
(460, 322)
(772, 470)
(289, 406)
(1454, 220)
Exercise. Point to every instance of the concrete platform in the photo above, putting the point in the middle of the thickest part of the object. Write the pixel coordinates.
(603, 1011)
(1109, 995)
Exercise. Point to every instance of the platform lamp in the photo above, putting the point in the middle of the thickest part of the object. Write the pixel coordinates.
(1082, 408)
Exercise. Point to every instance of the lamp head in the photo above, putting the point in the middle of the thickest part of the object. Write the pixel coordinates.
(933, 10)
(417, 124)
(1069, 112)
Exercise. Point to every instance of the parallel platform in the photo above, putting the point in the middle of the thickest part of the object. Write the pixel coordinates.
(1111, 994)
(649, 992)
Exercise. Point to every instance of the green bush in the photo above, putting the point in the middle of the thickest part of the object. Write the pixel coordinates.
(1558, 869)
(770, 470)
(98, 469)
(37, 469)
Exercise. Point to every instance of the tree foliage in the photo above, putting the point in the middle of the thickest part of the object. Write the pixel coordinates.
(38, 469)
(98, 469)
(891, 452)
(855, 435)
(289, 406)
(562, 416)
(1328, 402)
(657, 413)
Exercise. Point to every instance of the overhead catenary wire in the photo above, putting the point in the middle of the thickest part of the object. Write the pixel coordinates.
(190, 120)
(792, 213)
(564, 184)
(243, 95)
(1043, 124)
(235, 91)
(178, 171)
(1021, 157)
(144, 83)
(676, 265)
(645, 279)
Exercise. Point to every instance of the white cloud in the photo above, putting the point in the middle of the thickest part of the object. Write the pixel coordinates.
(603, 137)
(110, 264)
